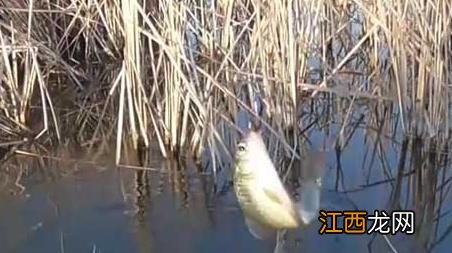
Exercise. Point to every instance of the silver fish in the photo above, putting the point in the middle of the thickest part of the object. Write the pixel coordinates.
(266, 205)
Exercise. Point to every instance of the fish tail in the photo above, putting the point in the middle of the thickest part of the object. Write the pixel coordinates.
(309, 204)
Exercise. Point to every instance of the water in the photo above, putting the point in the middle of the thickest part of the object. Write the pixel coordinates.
(173, 209)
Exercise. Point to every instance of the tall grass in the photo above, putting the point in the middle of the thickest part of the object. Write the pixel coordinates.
(179, 73)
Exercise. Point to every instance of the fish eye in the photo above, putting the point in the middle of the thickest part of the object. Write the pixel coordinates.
(241, 147)
(318, 181)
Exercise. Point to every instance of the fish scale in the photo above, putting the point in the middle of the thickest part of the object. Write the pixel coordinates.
(255, 204)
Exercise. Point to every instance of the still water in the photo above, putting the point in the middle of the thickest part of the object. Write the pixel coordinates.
(172, 208)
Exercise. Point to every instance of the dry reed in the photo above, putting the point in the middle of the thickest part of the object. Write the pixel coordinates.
(181, 72)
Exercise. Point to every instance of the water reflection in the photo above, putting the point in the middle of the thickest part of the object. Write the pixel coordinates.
(156, 205)
(142, 203)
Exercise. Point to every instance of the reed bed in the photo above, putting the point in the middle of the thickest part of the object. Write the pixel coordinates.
(183, 73)
(183, 77)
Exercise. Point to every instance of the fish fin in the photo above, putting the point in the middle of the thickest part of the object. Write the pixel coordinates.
(282, 198)
(259, 230)
(312, 170)
(313, 166)
(278, 195)
(273, 196)
(309, 204)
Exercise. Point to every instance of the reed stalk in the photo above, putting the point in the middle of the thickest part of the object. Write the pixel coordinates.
(181, 73)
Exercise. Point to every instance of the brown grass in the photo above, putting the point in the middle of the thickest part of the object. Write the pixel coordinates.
(179, 72)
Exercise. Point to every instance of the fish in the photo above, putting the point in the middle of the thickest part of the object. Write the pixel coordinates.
(266, 205)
